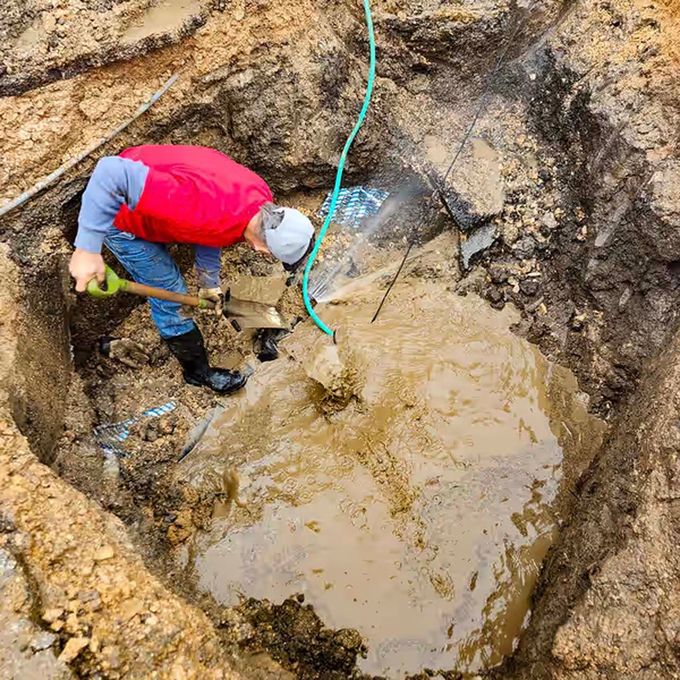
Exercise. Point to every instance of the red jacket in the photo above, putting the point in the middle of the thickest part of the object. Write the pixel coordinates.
(192, 194)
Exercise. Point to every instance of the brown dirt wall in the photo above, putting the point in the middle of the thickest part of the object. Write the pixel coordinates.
(88, 584)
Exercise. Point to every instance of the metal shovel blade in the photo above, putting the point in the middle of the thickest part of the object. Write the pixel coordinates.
(250, 314)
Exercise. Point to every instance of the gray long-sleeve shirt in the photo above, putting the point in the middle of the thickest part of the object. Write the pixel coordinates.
(116, 181)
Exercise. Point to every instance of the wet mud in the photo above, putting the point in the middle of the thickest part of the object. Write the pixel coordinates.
(408, 481)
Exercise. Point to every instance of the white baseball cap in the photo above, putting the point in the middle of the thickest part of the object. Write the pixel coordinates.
(287, 233)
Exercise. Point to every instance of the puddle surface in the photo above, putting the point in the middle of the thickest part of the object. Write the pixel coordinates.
(419, 512)
(166, 16)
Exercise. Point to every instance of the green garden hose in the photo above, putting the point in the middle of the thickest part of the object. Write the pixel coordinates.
(338, 174)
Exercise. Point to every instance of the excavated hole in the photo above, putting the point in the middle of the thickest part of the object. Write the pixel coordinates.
(170, 511)
(581, 313)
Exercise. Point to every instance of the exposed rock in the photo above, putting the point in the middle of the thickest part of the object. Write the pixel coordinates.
(607, 599)
(475, 189)
(664, 190)
(476, 243)
(72, 648)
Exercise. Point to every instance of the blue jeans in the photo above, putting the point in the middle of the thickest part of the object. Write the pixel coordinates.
(151, 264)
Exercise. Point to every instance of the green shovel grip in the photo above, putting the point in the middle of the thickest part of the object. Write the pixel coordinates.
(112, 285)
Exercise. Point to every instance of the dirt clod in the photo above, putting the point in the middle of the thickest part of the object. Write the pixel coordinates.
(72, 648)
(295, 636)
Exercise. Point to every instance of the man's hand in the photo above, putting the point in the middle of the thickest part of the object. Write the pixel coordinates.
(86, 266)
(214, 295)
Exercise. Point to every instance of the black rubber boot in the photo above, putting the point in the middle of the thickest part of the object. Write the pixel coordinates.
(189, 350)
(266, 343)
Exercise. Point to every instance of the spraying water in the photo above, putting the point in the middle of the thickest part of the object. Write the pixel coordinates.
(334, 271)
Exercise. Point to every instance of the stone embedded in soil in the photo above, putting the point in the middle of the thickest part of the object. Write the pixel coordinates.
(548, 220)
(495, 297)
(510, 232)
(130, 608)
(476, 243)
(111, 657)
(525, 247)
(42, 641)
(72, 648)
(106, 552)
(51, 615)
(529, 287)
(498, 273)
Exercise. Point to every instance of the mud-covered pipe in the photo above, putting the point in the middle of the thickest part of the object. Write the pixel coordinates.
(338, 174)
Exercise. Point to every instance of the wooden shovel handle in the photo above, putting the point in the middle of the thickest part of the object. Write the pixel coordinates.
(162, 294)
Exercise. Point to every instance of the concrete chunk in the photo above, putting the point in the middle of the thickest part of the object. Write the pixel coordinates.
(477, 242)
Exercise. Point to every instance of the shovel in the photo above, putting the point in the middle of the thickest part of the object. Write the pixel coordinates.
(247, 313)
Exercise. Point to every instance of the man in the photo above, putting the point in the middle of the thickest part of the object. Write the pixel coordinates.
(150, 196)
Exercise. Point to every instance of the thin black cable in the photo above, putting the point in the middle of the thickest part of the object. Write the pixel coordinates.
(486, 90)
(466, 136)
(393, 281)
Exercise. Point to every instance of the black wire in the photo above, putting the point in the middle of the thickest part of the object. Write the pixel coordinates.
(393, 281)
(485, 92)
(466, 136)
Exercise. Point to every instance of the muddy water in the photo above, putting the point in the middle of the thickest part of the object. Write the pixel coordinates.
(408, 481)
(166, 16)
